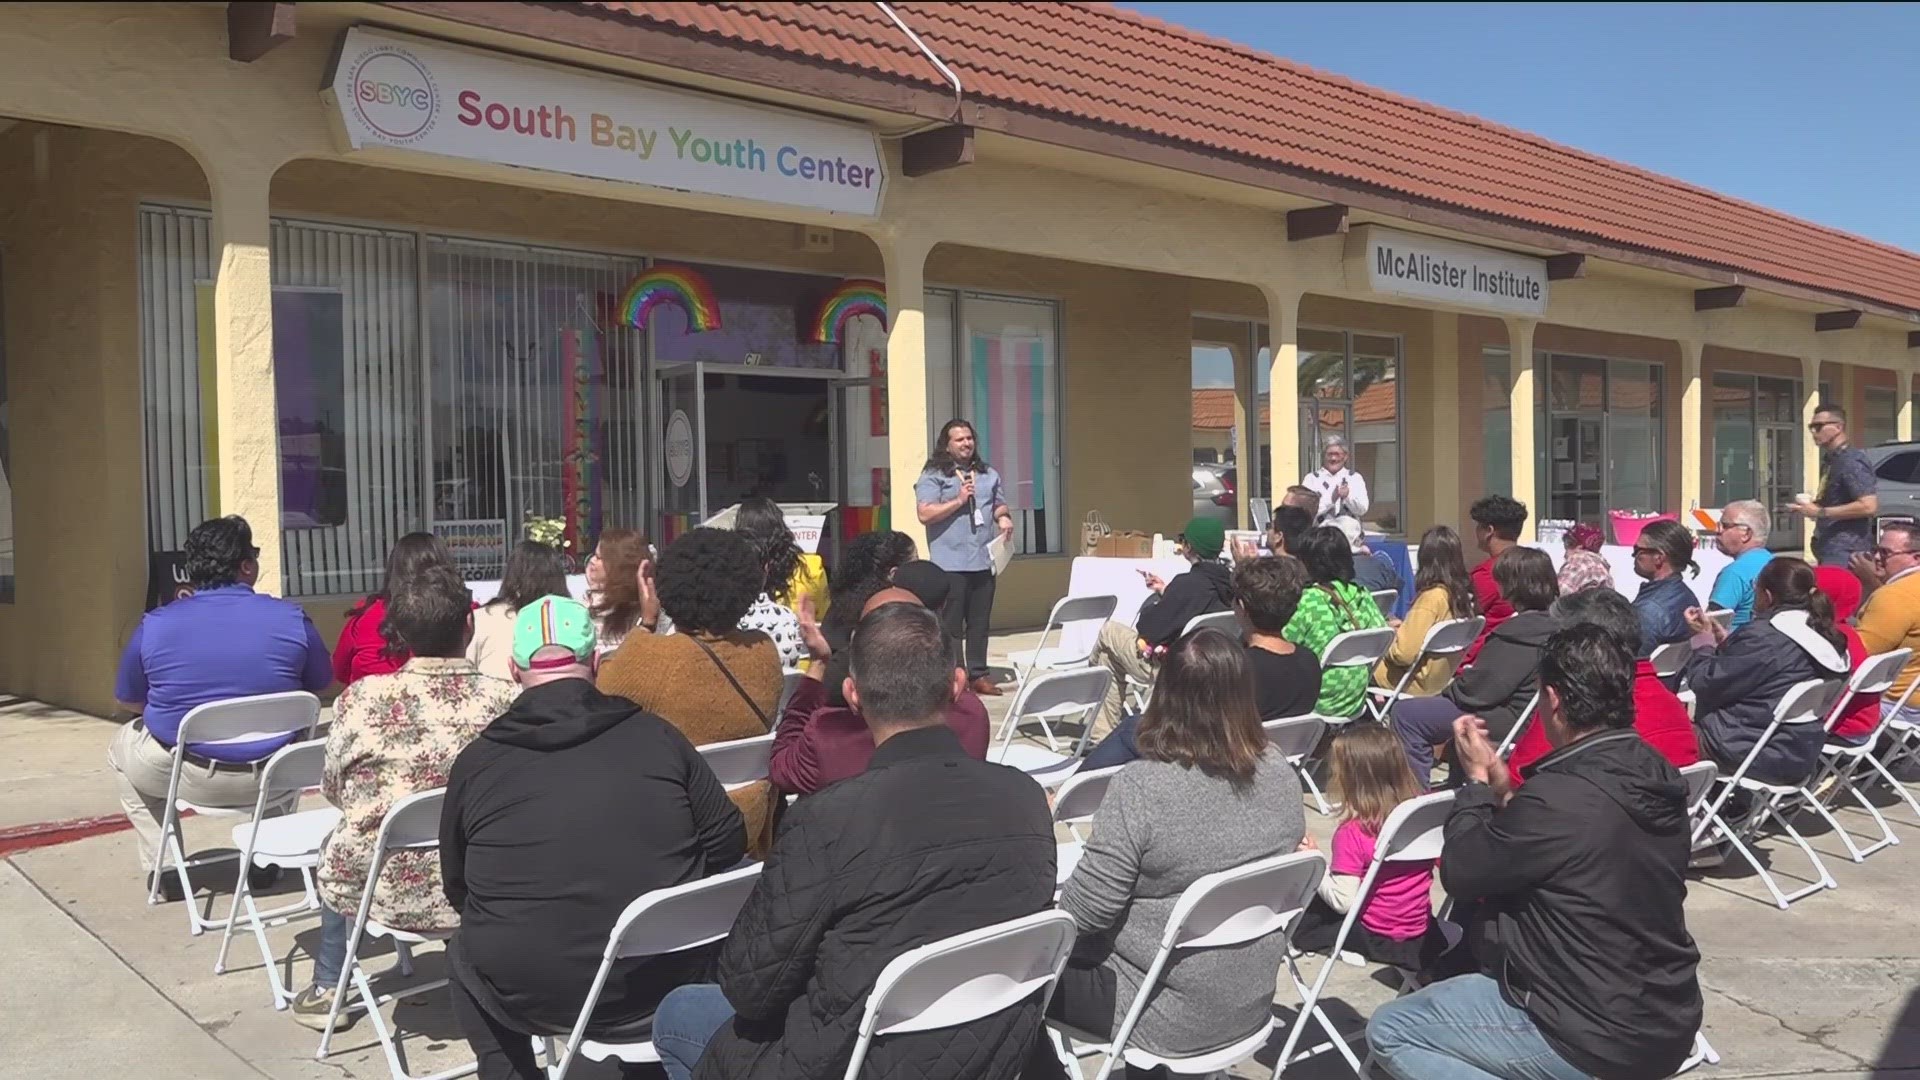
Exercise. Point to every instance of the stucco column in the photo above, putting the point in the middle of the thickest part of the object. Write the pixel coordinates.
(245, 406)
(1520, 408)
(905, 259)
(1441, 501)
(1283, 392)
(1903, 420)
(1809, 451)
(1692, 401)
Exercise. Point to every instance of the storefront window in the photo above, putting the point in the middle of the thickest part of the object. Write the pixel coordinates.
(760, 316)
(1496, 425)
(1604, 447)
(1756, 446)
(1009, 377)
(1349, 387)
(1880, 420)
(536, 396)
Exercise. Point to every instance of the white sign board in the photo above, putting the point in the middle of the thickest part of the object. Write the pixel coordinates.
(402, 92)
(806, 529)
(679, 447)
(1395, 263)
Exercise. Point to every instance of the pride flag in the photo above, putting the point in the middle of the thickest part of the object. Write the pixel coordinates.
(1013, 392)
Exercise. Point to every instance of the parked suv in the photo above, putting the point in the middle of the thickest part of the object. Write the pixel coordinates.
(1213, 492)
(1897, 465)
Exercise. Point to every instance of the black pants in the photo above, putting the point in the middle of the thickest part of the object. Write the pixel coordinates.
(504, 1051)
(1082, 999)
(969, 607)
(1319, 924)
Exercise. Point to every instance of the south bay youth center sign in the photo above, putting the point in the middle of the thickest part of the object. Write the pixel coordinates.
(1395, 263)
(393, 91)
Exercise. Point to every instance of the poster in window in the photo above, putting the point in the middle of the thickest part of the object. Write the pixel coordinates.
(310, 392)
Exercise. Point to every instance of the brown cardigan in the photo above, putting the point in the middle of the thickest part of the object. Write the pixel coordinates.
(672, 677)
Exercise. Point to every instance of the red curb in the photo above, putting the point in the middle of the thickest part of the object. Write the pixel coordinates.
(51, 833)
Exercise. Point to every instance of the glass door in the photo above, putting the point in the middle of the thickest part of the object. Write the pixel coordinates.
(1780, 476)
(682, 427)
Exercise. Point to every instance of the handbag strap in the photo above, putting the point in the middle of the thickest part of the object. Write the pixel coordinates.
(735, 683)
(1353, 621)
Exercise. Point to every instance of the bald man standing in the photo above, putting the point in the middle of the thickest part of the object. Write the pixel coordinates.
(818, 743)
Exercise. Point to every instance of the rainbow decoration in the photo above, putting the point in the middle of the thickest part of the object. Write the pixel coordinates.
(682, 286)
(855, 296)
(580, 476)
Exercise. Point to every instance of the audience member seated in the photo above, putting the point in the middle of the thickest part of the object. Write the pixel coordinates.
(1288, 527)
(618, 572)
(394, 736)
(1286, 677)
(1663, 552)
(1210, 793)
(1130, 651)
(1891, 619)
(866, 566)
(1744, 524)
(1659, 716)
(1441, 591)
(366, 647)
(1302, 497)
(1739, 680)
(562, 812)
(709, 678)
(1862, 713)
(1497, 521)
(1369, 777)
(924, 579)
(927, 582)
(1371, 570)
(1583, 567)
(1571, 891)
(819, 744)
(925, 844)
(791, 572)
(224, 641)
(1498, 686)
(1332, 605)
(533, 570)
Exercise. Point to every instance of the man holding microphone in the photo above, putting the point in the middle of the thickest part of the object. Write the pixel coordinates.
(961, 502)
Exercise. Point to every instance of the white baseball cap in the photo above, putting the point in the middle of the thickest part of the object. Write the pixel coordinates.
(1351, 527)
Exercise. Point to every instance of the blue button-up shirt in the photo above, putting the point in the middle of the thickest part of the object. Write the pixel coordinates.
(219, 643)
(955, 542)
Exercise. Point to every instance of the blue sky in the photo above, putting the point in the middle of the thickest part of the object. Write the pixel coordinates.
(1809, 109)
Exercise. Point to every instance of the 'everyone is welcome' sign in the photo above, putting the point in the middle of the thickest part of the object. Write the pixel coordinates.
(400, 92)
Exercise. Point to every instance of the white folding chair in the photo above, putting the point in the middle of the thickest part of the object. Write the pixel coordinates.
(1058, 695)
(1232, 907)
(663, 921)
(1519, 725)
(1385, 599)
(1671, 659)
(291, 842)
(1414, 832)
(1298, 737)
(789, 682)
(1074, 806)
(739, 762)
(1362, 649)
(412, 824)
(235, 720)
(1227, 622)
(965, 978)
(1840, 764)
(1074, 623)
(1724, 617)
(1804, 703)
(1699, 778)
(1449, 637)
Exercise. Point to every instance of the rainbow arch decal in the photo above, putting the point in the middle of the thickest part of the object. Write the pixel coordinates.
(855, 296)
(682, 286)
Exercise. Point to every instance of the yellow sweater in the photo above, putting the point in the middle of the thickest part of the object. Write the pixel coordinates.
(1891, 620)
(1428, 608)
(809, 579)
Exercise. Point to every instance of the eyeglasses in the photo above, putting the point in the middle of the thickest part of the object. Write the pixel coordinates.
(1647, 551)
(1883, 554)
(1818, 424)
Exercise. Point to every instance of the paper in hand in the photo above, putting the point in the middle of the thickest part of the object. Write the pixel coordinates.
(1000, 551)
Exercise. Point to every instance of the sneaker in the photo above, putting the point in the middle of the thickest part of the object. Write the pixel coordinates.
(311, 1006)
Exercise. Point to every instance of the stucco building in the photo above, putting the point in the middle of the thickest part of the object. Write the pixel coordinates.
(352, 270)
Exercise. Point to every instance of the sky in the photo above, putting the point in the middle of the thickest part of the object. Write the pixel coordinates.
(1805, 108)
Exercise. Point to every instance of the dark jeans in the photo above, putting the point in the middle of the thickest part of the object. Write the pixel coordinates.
(686, 1022)
(969, 607)
(331, 956)
(1422, 724)
(1083, 999)
(1117, 748)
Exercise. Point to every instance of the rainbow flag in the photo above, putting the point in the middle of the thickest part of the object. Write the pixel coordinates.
(581, 480)
(1013, 395)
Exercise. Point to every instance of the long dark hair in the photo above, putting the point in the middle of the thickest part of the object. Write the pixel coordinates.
(764, 524)
(866, 566)
(410, 556)
(1791, 585)
(618, 604)
(1202, 715)
(534, 570)
(1326, 555)
(1443, 565)
(1675, 542)
(942, 460)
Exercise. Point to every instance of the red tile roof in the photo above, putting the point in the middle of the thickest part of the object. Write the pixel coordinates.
(1120, 70)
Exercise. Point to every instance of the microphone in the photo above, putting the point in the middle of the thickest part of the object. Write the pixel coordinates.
(973, 511)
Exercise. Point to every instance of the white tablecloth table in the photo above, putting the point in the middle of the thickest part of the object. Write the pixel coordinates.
(484, 591)
(1711, 561)
(1120, 577)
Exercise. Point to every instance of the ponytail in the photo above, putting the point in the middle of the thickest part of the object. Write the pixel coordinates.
(1820, 619)
(1676, 543)
(1792, 586)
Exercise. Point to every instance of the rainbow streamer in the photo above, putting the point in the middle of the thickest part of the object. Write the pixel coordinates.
(855, 296)
(580, 480)
(681, 286)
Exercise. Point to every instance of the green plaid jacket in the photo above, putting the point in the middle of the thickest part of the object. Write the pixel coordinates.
(1317, 622)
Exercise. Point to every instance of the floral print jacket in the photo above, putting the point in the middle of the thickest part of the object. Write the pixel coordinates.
(394, 736)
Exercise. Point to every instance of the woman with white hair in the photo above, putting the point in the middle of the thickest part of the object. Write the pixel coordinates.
(1342, 491)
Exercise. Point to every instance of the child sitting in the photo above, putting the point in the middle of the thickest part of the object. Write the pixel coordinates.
(1370, 776)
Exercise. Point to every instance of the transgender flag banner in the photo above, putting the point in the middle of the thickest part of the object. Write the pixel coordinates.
(1012, 398)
